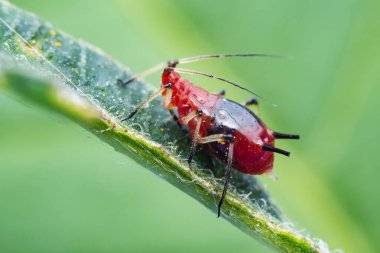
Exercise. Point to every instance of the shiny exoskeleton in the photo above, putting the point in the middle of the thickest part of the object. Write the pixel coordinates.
(228, 122)
(231, 131)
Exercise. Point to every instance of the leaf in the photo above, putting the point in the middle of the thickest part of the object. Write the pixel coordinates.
(47, 66)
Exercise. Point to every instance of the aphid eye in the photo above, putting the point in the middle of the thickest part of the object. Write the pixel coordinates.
(168, 85)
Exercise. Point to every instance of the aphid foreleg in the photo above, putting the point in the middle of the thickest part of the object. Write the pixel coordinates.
(227, 175)
(175, 117)
(147, 101)
(196, 135)
(143, 74)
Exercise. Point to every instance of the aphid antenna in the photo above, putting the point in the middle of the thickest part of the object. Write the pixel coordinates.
(174, 63)
(209, 56)
(146, 73)
(195, 72)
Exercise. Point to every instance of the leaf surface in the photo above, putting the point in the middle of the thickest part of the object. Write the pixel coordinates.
(49, 67)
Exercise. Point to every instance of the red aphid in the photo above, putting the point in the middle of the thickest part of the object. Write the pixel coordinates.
(220, 116)
(230, 130)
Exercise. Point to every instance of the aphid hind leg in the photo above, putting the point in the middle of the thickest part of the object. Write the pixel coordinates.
(196, 136)
(227, 138)
(227, 175)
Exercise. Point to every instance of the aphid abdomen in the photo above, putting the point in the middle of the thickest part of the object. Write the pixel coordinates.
(249, 158)
(249, 136)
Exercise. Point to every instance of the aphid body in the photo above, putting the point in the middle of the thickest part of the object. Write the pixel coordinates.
(231, 131)
(221, 117)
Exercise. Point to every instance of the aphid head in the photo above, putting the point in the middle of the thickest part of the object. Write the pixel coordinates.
(172, 63)
(169, 76)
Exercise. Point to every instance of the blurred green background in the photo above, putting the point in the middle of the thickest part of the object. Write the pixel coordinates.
(61, 190)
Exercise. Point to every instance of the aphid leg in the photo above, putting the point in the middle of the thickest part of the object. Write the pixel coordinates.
(251, 101)
(254, 102)
(216, 137)
(192, 152)
(143, 74)
(278, 135)
(198, 114)
(147, 101)
(229, 138)
(175, 117)
(221, 93)
(227, 175)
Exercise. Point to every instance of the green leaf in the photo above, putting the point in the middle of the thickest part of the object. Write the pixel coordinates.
(49, 67)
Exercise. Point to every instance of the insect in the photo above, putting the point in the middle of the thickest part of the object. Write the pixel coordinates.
(231, 131)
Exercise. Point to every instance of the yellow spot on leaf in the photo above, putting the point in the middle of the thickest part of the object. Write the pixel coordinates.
(58, 44)
(26, 49)
(53, 33)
